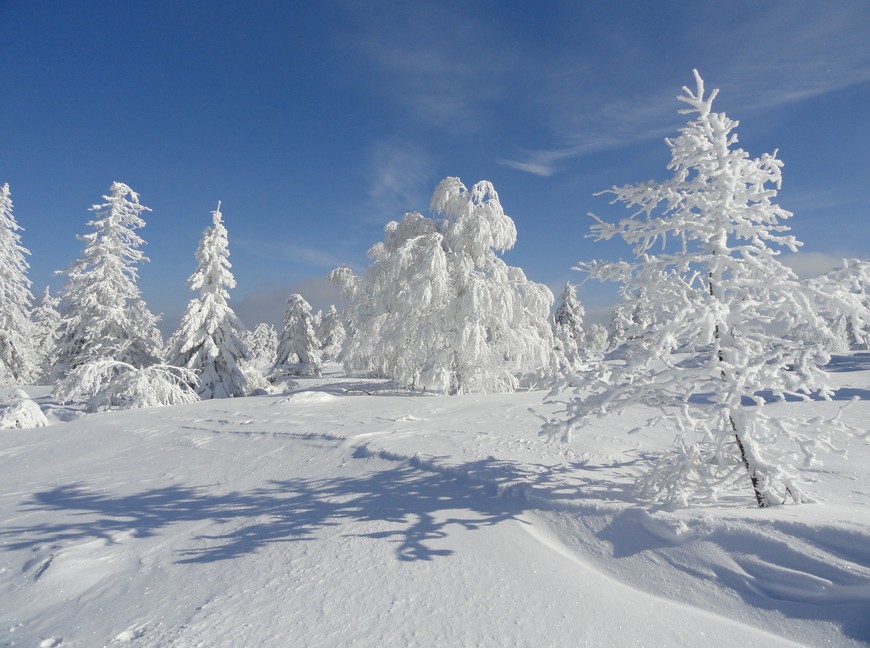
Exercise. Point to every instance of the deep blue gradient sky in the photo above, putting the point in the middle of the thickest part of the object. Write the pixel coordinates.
(317, 122)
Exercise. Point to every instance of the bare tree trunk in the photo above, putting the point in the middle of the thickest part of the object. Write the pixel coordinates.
(759, 496)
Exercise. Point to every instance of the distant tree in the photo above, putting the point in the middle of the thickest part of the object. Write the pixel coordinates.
(103, 314)
(843, 298)
(438, 310)
(595, 341)
(631, 317)
(331, 334)
(568, 325)
(720, 295)
(263, 343)
(46, 324)
(17, 356)
(209, 339)
(298, 349)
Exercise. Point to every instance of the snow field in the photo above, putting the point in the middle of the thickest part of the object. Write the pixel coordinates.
(327, 517)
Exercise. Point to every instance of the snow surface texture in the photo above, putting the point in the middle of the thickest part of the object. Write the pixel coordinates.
(348, 511)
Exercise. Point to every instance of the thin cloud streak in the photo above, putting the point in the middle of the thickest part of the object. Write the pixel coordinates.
(286, 251)
(399, 174)
(822, 54)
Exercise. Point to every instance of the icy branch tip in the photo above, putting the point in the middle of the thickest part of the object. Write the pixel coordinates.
(699, 104)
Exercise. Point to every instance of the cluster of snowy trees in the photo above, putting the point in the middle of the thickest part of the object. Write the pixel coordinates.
(710, 320)
(98, 343)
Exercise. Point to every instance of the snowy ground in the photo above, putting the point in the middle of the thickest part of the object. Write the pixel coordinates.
(346, 513)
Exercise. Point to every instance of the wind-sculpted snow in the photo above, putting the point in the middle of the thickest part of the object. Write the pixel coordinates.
(349, 511)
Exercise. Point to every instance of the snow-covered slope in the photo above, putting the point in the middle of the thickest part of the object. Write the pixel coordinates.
(345, 512)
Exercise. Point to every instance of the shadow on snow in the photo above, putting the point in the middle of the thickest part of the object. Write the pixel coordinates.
(414, 506)
(417, 507)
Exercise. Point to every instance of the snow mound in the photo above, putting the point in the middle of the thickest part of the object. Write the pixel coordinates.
(22, 414)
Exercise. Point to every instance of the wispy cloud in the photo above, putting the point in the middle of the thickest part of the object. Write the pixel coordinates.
(398, 176)
(817, 49)
(423, 56)
(288, 251)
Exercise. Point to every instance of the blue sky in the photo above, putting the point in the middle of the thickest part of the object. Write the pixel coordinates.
(315, 123)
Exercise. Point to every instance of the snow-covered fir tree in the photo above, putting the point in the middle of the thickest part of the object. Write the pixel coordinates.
(720, 295)
(298, 348)
(263, 343)
(568, 325)
(46, 324)
(331, 334)
(209, 339)
(17, 357)
(103, 313)
(439, 310)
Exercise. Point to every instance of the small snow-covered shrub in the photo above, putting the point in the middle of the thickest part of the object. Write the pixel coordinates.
(21, 412)
(107, 384)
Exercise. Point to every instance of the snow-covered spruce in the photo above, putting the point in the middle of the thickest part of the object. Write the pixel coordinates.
(46, 322)
(17, 356)
(332, 334)
(571, 339)
(109, 384)
(103, 313)
(719, 294)
(298, 349)
(437, 310)
(209, 339)
(263, 343)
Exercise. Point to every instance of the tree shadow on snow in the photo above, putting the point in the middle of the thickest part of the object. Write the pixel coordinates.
(856, 361)
(416, 506)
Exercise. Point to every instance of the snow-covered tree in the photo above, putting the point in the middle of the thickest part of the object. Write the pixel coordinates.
(109, 384)
(17, 356)
(843, 297)
(263, 343)
(331, 334)
(298, 349)
(439, 310)
(46, 324)
(568, 325)
(209, 339)
(103, 313)
(706, 251)
(631, 317)
(595, 341)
